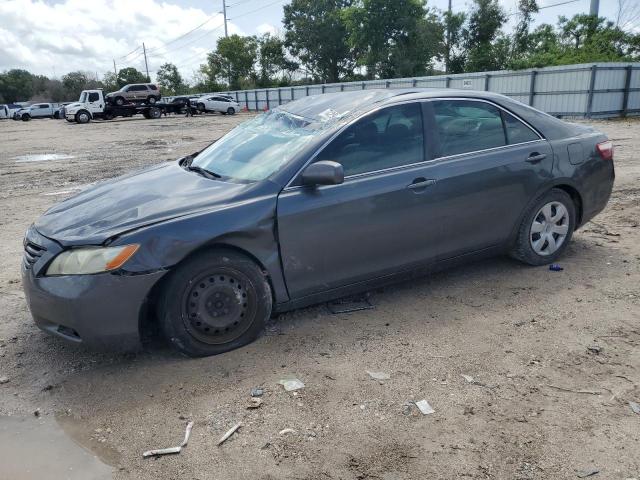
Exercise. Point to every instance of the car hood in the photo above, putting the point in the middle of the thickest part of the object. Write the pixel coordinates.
(126, 203)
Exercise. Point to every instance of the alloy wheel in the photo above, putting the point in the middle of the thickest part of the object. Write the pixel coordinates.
(549, 228)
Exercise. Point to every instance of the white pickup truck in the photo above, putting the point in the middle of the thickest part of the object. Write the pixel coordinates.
(37, 110)
(91, 105)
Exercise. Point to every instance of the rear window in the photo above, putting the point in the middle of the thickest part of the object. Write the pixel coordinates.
(466, 126)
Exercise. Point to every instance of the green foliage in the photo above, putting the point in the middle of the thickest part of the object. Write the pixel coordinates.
(170, 80)
(232, 61)
(483, 50)
(275, 67)
(16, 85)
(74, 82)
(581, 39)
(130, 75)
(394, 38)
(316, 34)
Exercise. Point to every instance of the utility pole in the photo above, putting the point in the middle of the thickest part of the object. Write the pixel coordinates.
(224, 13)
(115, 72)
(146, 65)
(447, 52)
(595, 8)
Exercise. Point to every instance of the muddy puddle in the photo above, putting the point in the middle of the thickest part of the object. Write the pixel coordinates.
(42, 448)
(41, 157)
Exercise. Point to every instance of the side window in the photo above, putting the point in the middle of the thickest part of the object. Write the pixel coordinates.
(94, 97)
(467, 126)
(517, 132)
(391, 137)
(153, 87)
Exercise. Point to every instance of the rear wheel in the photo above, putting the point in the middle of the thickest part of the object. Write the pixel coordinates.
(151, 99)
(155, 112)
(546, 229)
(214, 302)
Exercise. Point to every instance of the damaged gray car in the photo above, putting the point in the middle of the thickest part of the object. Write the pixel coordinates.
(317, 199)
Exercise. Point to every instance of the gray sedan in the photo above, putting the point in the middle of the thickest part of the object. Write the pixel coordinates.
(317, 199)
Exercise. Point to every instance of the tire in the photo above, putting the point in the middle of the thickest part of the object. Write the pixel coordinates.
(70, 121)
(151, 100)
(83, 117)
(153, 112)
(25, 117)
(56, 115)
(108, 116)
(554, 215)
(214, 302)
(119, 101)
(231, 111)
(201, 107)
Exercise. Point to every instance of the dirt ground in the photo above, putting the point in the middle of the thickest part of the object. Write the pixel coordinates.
(555, 356)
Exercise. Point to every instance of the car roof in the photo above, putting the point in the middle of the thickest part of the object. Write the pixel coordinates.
(338, 105)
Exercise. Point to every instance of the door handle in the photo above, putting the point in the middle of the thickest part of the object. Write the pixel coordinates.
(419, 183)
(536, 157)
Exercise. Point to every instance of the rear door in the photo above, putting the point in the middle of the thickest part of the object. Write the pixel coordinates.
(488, 165)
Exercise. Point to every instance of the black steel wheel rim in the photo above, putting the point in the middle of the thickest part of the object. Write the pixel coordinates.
(218, 306)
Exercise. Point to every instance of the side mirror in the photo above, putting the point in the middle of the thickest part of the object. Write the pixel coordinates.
(324, 172)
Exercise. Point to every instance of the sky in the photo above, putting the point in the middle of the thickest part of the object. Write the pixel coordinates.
(53, 37)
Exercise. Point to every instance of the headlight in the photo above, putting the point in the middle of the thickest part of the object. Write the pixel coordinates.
(80, 261)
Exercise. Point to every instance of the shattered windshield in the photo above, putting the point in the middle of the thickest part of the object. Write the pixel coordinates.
(255, 149)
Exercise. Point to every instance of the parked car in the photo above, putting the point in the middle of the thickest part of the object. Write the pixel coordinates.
(179, 105)
(37, 110)
(316, 199)
(218, 103)
(148, 93)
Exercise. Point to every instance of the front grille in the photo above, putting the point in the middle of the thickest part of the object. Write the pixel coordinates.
(32, 253)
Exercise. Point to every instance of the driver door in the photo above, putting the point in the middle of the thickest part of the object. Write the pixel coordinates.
(372, 224)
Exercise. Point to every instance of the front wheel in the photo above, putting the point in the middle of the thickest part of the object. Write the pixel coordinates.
(231, 110)
(546, 229)
(25, 117)
(83, 117)
(214, 302)
(201, 107)
(119, 101)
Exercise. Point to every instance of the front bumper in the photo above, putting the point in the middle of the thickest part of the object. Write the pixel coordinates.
(100, 311)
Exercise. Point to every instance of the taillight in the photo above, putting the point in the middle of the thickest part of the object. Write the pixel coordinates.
(605, 150)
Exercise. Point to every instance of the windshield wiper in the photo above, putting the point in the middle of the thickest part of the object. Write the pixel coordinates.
(203, 171)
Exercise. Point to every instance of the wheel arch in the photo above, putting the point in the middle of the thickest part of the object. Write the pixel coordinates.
(565, 185)
(147, 319)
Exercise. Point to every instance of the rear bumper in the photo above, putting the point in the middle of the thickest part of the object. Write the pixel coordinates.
(597, 187)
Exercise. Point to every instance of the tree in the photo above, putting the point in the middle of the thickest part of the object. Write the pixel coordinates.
(232, 61)
(394, 38)
(454, 53)
(316, 34)
(130, 75)
(521, 36)
(16, 85)
(110, 82)
(484, 52)
(272, 59)
(170, 80)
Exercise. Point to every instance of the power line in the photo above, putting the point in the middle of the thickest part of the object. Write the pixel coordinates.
(184, 34)
(132, 51)
(257, 9)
